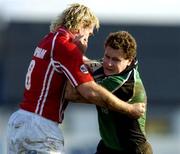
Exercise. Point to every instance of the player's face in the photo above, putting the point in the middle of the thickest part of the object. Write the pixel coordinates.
(113, 62)
(83, 35)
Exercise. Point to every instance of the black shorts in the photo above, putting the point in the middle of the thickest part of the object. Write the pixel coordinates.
(144, 148)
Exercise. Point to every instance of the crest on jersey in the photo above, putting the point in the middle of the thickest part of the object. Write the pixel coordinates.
(84, 69)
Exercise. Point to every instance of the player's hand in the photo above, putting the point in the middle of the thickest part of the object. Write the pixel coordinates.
(137, 110)
(93, 65)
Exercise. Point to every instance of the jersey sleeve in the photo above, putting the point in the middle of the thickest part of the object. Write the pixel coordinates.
(139, 94)
(71, 63)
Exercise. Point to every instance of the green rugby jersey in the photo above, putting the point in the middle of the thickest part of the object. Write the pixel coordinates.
(117, 130)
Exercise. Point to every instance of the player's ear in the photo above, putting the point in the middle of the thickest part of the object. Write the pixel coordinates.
(129, 62)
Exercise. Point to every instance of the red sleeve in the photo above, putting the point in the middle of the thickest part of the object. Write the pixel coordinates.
(71, 59)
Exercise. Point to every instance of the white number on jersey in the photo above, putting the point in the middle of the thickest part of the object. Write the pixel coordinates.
(28, 75)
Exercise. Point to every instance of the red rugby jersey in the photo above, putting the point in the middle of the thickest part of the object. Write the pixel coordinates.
(55, 60)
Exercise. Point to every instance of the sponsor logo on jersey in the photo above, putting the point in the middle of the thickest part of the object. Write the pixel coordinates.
(84, 69)
(39, 52)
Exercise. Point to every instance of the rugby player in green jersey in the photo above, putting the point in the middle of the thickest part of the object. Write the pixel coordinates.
(120, 133)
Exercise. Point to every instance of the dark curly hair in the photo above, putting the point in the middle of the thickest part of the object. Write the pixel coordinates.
(122, 40)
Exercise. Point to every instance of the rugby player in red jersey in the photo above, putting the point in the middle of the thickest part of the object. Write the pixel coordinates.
(58, 58)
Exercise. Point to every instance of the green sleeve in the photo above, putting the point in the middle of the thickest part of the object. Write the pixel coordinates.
(139, 94)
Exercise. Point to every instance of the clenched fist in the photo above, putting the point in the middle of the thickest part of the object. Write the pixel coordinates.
(137, 110)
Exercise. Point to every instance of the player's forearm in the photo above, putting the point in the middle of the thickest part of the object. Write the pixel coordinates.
(100, 96)
(112, 102)
(135, 110)
(95, 94)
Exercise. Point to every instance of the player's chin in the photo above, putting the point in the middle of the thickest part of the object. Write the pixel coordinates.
(107, 72)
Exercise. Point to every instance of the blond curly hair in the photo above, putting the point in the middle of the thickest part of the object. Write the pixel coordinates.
(74, 17)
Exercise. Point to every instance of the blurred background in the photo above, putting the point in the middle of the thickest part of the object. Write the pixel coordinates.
(156, 26)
